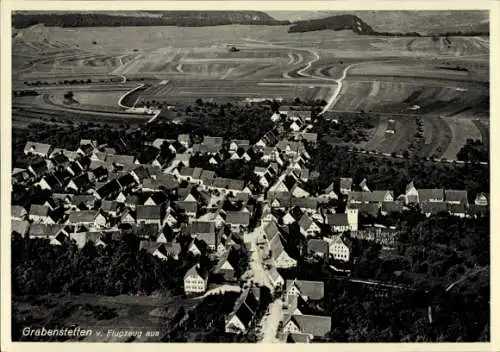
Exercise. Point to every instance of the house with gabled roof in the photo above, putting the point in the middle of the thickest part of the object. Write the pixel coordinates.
(433, 208)
(338, 222)
(238, 321)
(195, 280)
(306, 289)
(317, 247)
(366, 209)
(40, 214)
(128, 217)
(235, 144)
(41, 149)
(308, 226)
(110, 208)
(82, 201)
(391, 208)
(456, 196)
(238, 220)
(162, 251)
(149, 214)
(225, 267)
(157, 198)
(47, 231)
(189, 207)
(458, 209)
(337, 248)
(481, 199)
(279, 255)
(87, 217)
(38, 168)
(108, 190)
(430, 195)
(18, 212)
(314, 325)
(79, 184)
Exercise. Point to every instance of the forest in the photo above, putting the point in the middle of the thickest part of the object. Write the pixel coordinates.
(164, 18)
(119, 268)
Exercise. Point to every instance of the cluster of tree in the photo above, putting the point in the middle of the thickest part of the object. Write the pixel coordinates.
(393, 174)
(349, 128)
(206, 323)
(25, 93)
(65, 82)
(474, 151)
(249, 121)
(165, 18)
(119, 268)
(363, 313)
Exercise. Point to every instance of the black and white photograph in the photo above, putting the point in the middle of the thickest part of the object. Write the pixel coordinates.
(249, 176)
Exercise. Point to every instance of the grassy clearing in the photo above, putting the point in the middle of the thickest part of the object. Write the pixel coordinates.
(461, 129)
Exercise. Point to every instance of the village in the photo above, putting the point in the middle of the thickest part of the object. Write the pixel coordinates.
(94, 195)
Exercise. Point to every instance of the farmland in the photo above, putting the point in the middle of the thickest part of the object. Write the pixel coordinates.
(442, 80)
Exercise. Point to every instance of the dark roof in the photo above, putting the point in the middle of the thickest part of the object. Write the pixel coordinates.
(433, 207)
(315, 290)
(228, 183)
(109, 205)
(307, 203)
(366, 208)
(141, 172)
(459, 208)
(59, 159)
(238, 217)
(298, 338)
(313, 324)
(196, 270)
(109, 188)
(127, 180)
(100, 171)
(317, 246)
(339, 219)
(425, 195)
(455, 195)
(149, 212)
(187, 206)
(198, 227)
(82, 181)
(392, 207)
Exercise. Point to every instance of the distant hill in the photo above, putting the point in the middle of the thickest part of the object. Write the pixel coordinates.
(390, 22)
(157, 18)
(335, 23)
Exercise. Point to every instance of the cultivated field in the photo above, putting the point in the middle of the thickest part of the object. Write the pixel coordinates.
(441, 80)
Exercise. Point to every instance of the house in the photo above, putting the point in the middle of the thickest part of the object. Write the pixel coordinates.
(459, 209)
(430, 195)
(79, 183)
(195, 280)
(214, 217)
(131, 201)
(481, 199)
(238, 220)
(279, 255)
(21, 227)
(238, 321)
(297, 337)
(307, 290)
(308, 226)
(318, 247)
(330, 193)
(148, 214)
(433, 208)
(82, 201)
(127, 217)
(40, 149)
(98, 174)
(82, 238)
(455, 196)
(391, 208)
(314, 325)
(189, 207)
(47, 231)
(225, 267)
(18, 212)
(338, 249)
(227, 184)
(108, 191)
(190, 174)
(59, 160)
(40, 214)
(207, 177)
(162, 251)
(236, 144)
(20, 175)
(140, 174)
(157, 198)
(92, 218)
(275, 278)
(110, 208)
(479, 211)
(366, 209)
(38, 168)
(127, 182)
(370, 197)
(345, 185)
(338, 222)
(411, 193)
